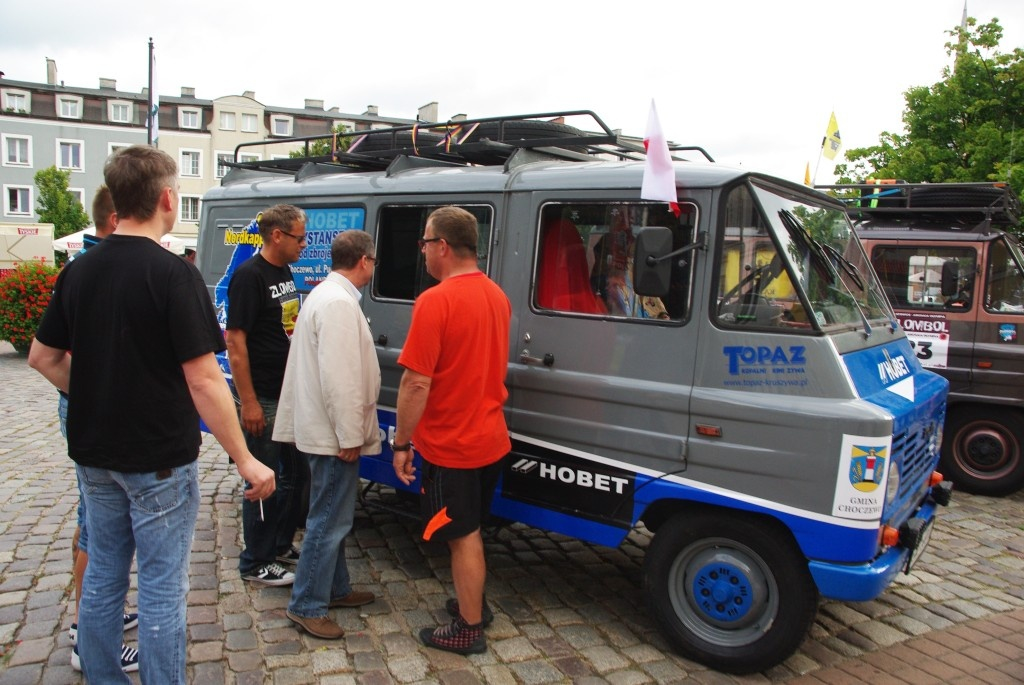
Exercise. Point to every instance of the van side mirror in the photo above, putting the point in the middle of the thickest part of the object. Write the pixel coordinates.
(652, 269)
(950, 278)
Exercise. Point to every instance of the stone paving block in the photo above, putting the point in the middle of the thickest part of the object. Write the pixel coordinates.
(580, 637)
(536, 672)
(241, 662)
(880, 633)
(514, 649)
(31, 652)
(330, 661)
(605, 659)
(210, 672)
(293, 676)
(408, 669)
(205, 651)
(240, 640)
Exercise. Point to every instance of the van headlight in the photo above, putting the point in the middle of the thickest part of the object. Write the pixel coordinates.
(892, 484)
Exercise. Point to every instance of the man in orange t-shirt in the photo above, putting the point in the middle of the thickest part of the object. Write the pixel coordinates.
(450, 405)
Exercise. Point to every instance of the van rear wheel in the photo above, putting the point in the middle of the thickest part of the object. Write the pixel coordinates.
(731, 592)
(983, 450)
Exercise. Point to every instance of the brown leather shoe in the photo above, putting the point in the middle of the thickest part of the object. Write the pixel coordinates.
(356, 598)
(322, 627)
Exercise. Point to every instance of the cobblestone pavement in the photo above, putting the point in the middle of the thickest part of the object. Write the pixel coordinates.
(565, 611)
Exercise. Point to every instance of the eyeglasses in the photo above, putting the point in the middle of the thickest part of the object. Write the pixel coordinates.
(422, 242)
(370, 259)
(298, 238)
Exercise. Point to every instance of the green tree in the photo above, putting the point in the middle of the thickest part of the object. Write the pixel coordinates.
(322, 146)
(55, 205)
(967, 127)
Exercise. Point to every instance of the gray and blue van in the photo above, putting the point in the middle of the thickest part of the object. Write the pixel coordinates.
(730, 377)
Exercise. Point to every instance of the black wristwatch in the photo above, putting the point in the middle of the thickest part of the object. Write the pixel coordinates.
(400, 448)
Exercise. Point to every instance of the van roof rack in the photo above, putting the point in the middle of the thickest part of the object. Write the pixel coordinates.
(485, 141)
(992, 204)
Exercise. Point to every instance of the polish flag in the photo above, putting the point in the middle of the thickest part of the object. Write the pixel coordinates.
(659, 175)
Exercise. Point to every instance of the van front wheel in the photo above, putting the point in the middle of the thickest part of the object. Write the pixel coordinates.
(731, 592)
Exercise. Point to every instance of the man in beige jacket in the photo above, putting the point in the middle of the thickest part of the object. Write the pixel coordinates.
(328, 408)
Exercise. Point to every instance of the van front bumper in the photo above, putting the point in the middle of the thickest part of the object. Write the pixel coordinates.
(863, 582)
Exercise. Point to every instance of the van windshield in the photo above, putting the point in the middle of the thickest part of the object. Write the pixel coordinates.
(791, 263)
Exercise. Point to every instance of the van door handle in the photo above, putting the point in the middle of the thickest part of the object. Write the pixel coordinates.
(548, 360)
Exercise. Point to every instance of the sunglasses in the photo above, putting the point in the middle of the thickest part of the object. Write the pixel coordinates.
(423, 241)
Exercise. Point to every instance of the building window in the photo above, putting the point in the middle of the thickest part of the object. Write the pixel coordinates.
(79, 195)
(189, 118)
(119, 112)
(18, 200)
(70, 107)
(249, 157)
(222, 159)
(17, 150)
(70, 154)
(114, 147)
(189, 209)
(191, 162)
(227, 121)
(248, 123)
(281, 126)
(16, 101)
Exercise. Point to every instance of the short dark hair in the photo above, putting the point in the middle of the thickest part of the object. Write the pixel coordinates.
(102, 206)
(136, 176)
(279, 216)
(457, 227)
(348, 247)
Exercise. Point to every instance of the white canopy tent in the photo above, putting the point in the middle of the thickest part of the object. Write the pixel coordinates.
(73, 243)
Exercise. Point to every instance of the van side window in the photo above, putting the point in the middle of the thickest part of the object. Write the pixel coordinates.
(927, 277)
(1004, 284)
(584, 260)
(401, 273)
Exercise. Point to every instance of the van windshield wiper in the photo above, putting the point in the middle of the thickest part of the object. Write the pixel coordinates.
(799, 235)
(848, 267)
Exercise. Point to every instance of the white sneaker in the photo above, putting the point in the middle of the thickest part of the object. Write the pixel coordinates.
(129, 659)
(271, 574)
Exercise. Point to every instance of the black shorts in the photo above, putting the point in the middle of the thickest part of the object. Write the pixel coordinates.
(454, 501)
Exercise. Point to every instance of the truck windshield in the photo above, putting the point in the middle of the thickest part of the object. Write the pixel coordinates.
(791, 263)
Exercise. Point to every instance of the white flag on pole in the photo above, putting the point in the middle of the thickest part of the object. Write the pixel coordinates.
(659, 175)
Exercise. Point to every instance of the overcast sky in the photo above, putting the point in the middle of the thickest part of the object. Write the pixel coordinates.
(751, 82)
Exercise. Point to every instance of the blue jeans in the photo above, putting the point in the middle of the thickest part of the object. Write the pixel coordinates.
(322, 573)
(265, 539)
(153, 516)
(83, 530)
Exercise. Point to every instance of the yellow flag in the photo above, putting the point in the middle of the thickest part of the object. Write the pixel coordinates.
(831, 143)
(807, 174)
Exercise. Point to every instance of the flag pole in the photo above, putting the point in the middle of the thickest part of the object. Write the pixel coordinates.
(149, 103)
(814, 179)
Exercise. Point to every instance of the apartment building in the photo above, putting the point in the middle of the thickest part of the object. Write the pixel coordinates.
(76, 128)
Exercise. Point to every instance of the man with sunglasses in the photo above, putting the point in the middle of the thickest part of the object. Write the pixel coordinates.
(450, 403)
(263, 304)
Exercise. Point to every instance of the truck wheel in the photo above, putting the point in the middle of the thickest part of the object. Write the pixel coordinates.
(731, 592)
(982, 450)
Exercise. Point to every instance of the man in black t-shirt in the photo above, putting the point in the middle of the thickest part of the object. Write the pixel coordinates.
(263, 304)
(142, 334)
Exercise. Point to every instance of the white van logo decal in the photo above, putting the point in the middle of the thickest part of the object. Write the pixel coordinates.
(524, 466)
(893, 368)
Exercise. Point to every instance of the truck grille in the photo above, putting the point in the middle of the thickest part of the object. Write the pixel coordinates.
(910, 450)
